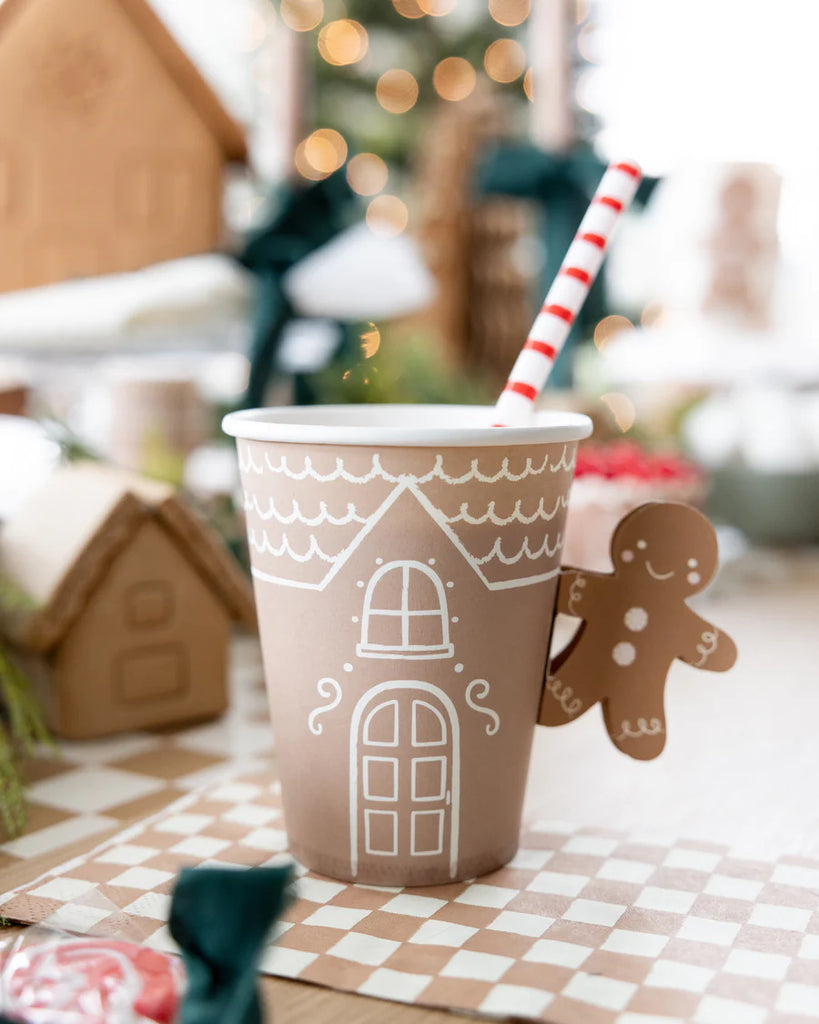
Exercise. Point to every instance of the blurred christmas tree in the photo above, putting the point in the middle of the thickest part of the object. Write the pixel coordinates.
(377, 68)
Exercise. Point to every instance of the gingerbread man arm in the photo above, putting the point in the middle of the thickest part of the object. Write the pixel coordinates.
(570, 690)
(705, 646)
(577, 591)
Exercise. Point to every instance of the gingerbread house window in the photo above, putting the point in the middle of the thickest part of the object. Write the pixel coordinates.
(405, 614)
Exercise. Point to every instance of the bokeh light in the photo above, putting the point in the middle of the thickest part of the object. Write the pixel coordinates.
(609, 327)
(437, 8)
(302, 15)
(343, 42)
(367, 174)
(509, 12)
(581, 11)
(653, 315)
(408, 8)
(397, 91)
(387, 216)
(621, 408)
(529, 84)
(588, 44)
(504, 60)
(370, 341)
(453, 78)
(256, 31)
(321, 153)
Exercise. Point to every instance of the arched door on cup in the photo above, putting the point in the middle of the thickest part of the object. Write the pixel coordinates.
(405, 776)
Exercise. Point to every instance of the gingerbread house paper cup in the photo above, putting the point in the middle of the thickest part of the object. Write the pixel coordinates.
(405, 563)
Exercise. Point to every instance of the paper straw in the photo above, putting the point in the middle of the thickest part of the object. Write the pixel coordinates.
(567, 294)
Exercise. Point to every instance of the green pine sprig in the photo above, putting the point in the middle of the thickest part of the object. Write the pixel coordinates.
(22, 729)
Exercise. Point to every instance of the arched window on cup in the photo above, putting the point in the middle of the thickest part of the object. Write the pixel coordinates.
(405, 614)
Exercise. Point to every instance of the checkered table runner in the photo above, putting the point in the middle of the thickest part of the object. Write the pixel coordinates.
(582, 926)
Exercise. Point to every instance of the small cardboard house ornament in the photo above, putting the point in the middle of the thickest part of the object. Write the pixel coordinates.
(130, 602)
(112, 146)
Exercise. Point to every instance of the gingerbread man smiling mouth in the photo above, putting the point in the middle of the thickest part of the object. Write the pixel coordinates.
(635, 624)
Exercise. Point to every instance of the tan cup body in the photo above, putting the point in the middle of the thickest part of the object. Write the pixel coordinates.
(405, 599)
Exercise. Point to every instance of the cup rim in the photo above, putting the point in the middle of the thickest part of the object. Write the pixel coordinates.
(394, 425)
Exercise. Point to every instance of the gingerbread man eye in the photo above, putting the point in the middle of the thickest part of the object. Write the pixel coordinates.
(692, 563)
(627, 556)
(693, 578)
(641, 544)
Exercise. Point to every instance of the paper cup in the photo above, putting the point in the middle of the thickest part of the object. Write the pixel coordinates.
(405, 563)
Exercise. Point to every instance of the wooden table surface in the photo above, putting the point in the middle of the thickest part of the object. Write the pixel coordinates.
(741, 765)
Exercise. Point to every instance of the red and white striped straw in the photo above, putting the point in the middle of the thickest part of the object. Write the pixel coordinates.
(567, 294)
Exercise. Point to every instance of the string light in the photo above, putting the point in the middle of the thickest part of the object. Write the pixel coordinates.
(509, 12)
(321, 153)
(367, 174)
(387, 216)
(581, 9)
(302, 15)
(437, 8)
(397, 91)
(528, 84)
(608, 327)
(370, 341)
(408, 9)
(453, 78)
(343, 42)
(622, 409)
(504, 60)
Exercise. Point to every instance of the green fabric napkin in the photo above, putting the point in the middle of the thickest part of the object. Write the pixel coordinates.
(220, 918)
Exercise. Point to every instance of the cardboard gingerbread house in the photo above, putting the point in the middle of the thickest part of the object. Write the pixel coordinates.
(127, 601)
(112, 146)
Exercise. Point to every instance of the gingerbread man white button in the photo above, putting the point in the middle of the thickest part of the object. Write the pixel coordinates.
(624, 653)
(636, 619)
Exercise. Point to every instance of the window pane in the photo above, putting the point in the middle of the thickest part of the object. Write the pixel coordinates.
(387, 591)
(427, 630)
(422, 593)
(383, 630)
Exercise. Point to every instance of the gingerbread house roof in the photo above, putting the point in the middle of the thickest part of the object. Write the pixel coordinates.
(307, 543)
(57, 549)
(177, 64)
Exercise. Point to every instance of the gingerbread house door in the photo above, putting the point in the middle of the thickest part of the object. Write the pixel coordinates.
(405, 777)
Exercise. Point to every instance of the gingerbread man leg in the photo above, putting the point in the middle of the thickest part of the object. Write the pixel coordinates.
(569, 690)
(640, 735)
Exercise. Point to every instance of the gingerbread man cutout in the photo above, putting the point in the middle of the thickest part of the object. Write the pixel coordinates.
(635, 623)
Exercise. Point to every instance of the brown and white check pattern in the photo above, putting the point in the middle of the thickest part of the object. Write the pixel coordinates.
(582, 926)
(80, 790)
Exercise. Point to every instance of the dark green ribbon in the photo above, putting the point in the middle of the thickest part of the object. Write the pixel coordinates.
(300, 219)
(563, 184)
(220, 918)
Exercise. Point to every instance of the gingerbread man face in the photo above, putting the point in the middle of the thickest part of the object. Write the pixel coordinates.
(667, 547)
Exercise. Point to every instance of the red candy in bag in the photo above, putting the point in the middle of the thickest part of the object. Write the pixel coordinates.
(64, 980)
